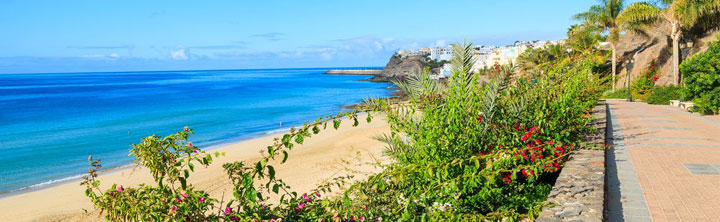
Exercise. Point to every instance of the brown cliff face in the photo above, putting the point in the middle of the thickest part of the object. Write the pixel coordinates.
(400, 67)
(657, 46)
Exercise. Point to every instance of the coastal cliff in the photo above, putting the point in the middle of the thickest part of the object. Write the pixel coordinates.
(400, 67)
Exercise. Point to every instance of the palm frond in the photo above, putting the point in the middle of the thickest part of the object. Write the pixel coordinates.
(394, 145)
(638, 15)
(420, 85)
(463, 59)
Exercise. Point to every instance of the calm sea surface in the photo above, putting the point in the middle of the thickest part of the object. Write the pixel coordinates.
(50, 123)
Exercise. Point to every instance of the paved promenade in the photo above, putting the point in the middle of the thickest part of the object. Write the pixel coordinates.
(665, 164)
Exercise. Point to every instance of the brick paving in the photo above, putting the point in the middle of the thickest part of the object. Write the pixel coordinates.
(675, 159)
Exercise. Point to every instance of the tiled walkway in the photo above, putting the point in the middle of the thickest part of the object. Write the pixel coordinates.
(665, 164)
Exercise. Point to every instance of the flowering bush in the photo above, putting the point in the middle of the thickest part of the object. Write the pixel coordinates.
(468, 150)
(642, 85)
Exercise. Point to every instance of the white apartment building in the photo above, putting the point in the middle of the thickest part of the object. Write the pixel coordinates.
(441, 53)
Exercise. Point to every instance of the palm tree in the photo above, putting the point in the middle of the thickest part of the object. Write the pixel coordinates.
(683, 16)
(604, 17)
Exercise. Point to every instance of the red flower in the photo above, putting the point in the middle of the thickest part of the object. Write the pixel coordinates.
(533, 129)
(479, 118)
(526, 136)
(507, 178)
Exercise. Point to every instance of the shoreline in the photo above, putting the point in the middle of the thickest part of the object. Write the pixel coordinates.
(320, 158)
(79, 177)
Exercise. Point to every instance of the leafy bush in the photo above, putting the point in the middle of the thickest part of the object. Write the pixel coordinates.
(644, 82)
(620, 93)
(465, 151)
(708, 103)
(661, 95)
(701, 75)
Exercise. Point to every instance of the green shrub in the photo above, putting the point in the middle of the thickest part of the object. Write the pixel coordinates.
(661, 95)
(620, 93)
(642, 84)
(708, 103)
(701, 75)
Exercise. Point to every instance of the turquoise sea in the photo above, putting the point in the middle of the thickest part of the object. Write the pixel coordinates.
(50, 123)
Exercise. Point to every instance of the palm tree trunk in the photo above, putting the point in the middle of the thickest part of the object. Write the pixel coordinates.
(675, 36)
(614, 65)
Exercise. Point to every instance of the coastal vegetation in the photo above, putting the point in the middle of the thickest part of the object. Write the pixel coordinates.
(702, 79)
(464, 149)
(481, 146)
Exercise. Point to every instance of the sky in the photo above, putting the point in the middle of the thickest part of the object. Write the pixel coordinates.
(141, 35)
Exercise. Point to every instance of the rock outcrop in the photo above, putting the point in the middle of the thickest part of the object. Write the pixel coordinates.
(401, 66)
(657, 47)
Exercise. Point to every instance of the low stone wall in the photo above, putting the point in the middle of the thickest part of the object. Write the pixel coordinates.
(579, 192)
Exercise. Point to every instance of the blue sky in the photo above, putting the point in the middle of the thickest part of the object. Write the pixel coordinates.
(133, 35)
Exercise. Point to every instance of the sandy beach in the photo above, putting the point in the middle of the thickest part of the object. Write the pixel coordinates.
(326, 155)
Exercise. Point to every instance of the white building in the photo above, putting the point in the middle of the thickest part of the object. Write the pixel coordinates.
(441, 53)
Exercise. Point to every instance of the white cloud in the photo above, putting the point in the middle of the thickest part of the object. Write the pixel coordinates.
(178, 54)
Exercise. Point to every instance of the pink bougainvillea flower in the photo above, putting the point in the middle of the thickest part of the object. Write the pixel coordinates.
(362, 219)
(263, 207)
(228, 210)
(201, 200)
(190, 144)
(173, 208)
(301, 205)
(120, 189)
(317, 194)
(178, 200)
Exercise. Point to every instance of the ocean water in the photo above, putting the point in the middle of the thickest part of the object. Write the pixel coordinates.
(50, 123)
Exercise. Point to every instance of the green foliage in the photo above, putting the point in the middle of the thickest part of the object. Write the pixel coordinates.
(604, 17)
(170, 160)
(661, 95)
(432, 64)
(583, 38)
(642, 84)
(483, 151)
(620, 93)
(702, 79)
(472, 151)
(638, 16)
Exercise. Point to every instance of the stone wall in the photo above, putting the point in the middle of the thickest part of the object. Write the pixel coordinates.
(579, 192)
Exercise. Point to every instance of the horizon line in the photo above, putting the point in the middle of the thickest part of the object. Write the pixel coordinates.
(183, 70)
